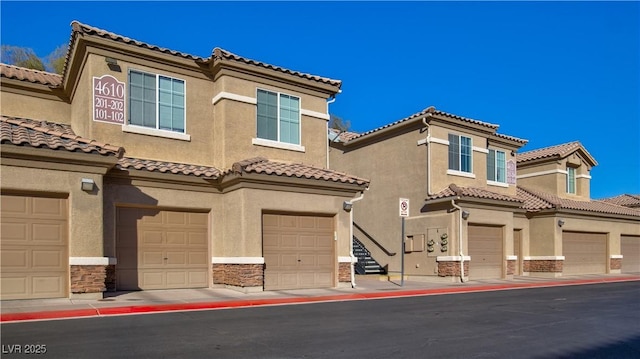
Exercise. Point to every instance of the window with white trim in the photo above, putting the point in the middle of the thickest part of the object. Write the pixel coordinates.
(278, 117)
(460, 152)
(496, 166)
(156, 101)
(571, 180)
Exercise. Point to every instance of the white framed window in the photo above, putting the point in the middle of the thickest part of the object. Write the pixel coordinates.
(496, 166)
(278, 117)
(571, 180)
(156, 101)
(460, 153)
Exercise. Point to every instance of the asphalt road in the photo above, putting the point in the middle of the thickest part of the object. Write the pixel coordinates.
(588, 321)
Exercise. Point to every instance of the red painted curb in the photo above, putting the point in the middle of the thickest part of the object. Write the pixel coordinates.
(141, 309)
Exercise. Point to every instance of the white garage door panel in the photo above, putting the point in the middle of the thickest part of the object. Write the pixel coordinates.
(630, 248)
(35, 260)
(584, 253)
(160, 249)
(298, 252)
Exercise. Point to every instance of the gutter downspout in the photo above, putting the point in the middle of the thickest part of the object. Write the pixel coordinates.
(351, 255)
(332, 100)
(453, 203)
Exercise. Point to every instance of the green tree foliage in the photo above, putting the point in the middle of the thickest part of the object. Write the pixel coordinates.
(56, 59)
(338, 123)
(26, 57)
(21, 56)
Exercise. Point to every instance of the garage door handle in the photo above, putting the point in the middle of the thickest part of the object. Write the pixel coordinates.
(299, 260)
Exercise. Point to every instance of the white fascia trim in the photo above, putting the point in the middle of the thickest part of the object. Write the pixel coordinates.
(498, 184)
(92, 261)
(237, 260)
(324, 116)
(480, 149)
(512, 258)
(234, 97)
(343, 259)
(461, 174)
(544, 258)
(438, 140)
(451, 258)
(583, 176)
(154, 132)
(616, 256)
(276, 144)
(542, 173)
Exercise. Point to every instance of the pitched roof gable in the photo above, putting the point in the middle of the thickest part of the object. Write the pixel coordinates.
(29, 75)
(554, 152)
(43, 134)
(627, 200)
(535, 201)
(429, 110)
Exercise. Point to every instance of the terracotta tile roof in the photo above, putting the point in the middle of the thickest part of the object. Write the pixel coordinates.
(511, 138)
(168, 167)
(219, 53)
(535, 201)
(43, 134)
(557, 151)
(299, 170)
(432, 110)
(78, 27)
(341, 136)
(626, 200)
(33, 76)
(455, 191)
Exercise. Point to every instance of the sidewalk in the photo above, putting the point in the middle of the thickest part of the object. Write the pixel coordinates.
(153, 301)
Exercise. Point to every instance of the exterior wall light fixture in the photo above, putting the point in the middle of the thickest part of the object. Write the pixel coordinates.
(560, 222)
(87, 184)
(465, 215)
(111, 61)
(346, 205)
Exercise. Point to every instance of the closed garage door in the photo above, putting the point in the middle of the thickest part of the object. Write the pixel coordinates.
(584, 253)
(159, 249)
(298, 252)
(630, 246)
(35, 261)
(485, 249)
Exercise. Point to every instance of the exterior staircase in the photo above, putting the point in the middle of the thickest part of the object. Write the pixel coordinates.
(366, 264)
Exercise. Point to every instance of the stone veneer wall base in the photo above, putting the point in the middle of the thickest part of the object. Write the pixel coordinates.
(87, 279)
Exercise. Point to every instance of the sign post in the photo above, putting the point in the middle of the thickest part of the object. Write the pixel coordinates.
(404, 212)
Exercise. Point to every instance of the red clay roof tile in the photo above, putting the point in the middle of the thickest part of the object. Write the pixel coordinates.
(168, 167)
(219, 53)
(472, 192)
(26, 132)
(33, 76)
(535, 201)
(299, 170)
(626, 200)
(557, 151)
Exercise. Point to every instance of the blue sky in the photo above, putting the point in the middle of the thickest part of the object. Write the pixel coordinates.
(549, 72)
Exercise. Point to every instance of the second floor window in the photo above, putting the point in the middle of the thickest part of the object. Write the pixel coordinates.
(571, 180)
(460, 153)
(278, 117)
(496, 166)
(156, 101)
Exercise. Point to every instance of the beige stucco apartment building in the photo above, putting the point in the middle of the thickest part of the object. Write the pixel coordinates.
(147, 168)
(478, 208)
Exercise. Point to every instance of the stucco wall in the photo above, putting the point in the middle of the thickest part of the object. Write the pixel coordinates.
(37, 108)
(85, 209)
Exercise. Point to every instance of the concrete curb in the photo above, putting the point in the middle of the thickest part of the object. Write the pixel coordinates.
(177, 307)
